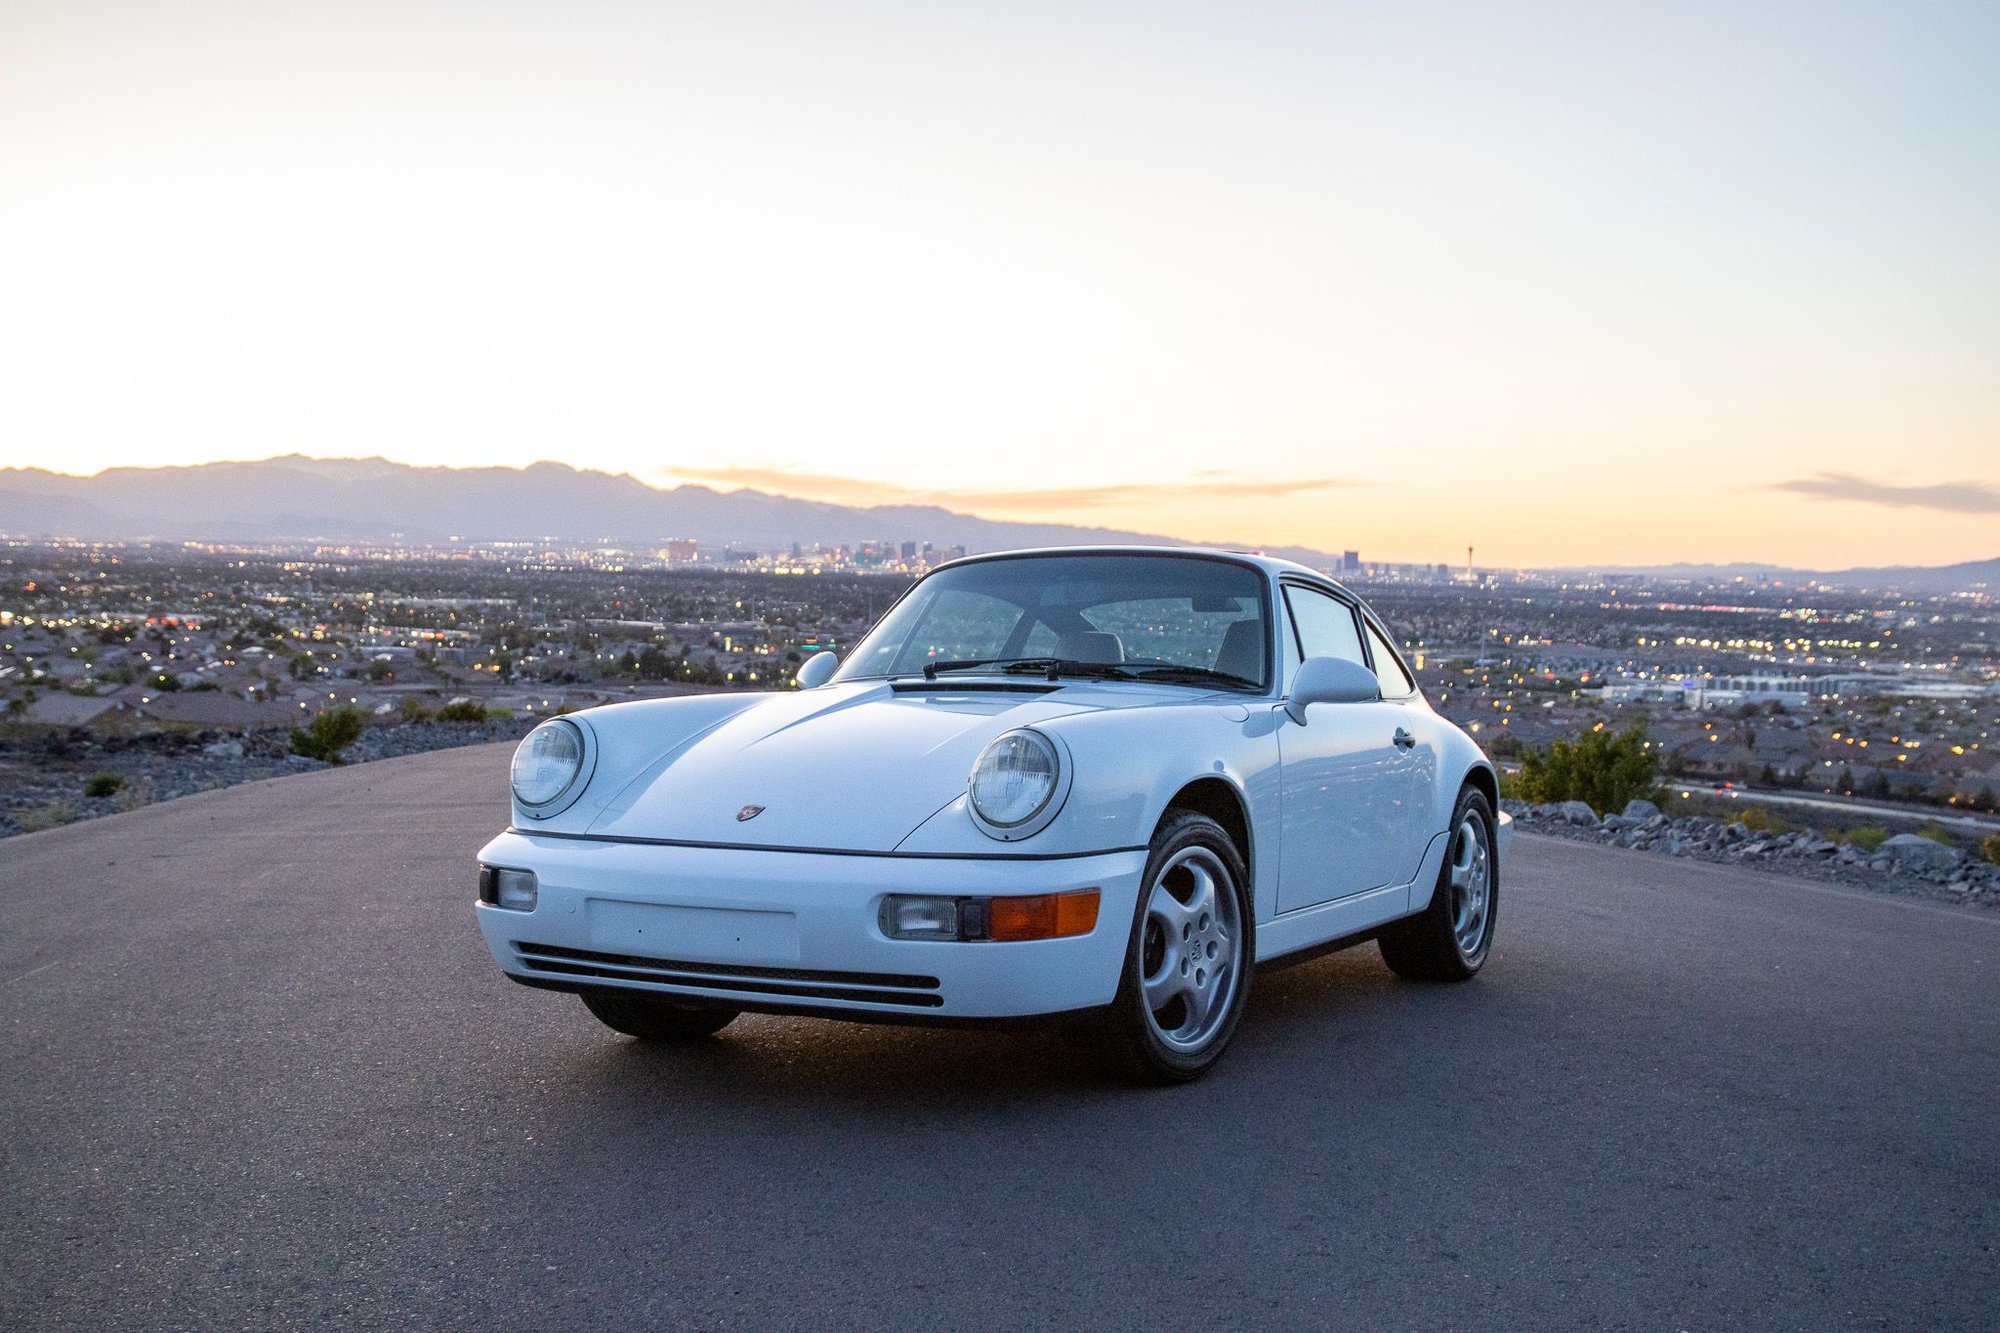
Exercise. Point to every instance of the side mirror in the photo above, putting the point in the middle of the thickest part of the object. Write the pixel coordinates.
(817, 670)
(1329, 680)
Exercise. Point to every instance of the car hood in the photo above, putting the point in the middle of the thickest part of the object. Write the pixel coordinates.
(850, 768)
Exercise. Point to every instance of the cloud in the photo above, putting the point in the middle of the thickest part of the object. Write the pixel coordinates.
(1954, 497)
(856, 491)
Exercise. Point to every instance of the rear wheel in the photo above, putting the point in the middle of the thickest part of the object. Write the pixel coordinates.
(651, 1019)
(1186, 979)
(1449, 940)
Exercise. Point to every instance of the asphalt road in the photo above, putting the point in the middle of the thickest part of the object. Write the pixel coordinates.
(259, 1072)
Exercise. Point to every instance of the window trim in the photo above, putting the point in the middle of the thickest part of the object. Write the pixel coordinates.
(1365, 620)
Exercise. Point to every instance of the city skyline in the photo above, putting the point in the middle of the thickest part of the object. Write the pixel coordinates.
(1572, 285)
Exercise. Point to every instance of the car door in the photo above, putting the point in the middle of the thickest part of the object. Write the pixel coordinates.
(1344, 778)
(1410, 808)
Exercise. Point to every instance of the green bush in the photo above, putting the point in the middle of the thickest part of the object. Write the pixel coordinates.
(331, 732)
(413, 710)
(1990, 848)
(463, 710)
(1759, 820)
(1601, 768)
(100, 785)
(1935, 834)
(1869, 838)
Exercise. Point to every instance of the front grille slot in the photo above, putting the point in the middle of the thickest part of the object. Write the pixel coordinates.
(916, 992)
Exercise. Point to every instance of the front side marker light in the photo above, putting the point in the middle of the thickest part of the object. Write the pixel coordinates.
(1043, 916)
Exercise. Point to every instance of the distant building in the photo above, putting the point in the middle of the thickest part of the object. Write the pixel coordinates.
(909, 551)
(1350, 562)
(681, 550)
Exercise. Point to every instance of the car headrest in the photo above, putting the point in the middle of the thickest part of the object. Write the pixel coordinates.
(1242, 651)
(1093, 647)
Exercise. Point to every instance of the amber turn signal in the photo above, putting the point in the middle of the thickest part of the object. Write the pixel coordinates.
(1045, 916)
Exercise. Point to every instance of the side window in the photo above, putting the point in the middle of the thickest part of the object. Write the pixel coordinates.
(1325, 626)
(1396, 682)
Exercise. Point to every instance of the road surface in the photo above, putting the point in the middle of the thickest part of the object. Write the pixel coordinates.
(260, 1073)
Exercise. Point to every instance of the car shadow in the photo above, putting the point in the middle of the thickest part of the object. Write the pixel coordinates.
(1298, 1016)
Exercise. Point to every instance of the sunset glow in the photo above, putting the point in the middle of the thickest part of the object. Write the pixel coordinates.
(1567, 283)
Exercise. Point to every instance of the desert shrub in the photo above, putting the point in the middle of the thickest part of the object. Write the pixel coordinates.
(1989, 848)
(49, 816)
(138, 794)
(100, 785)
(1935, 834)
(1759, 820)
(412, 709)
(1604, 769)
(332, 731)
(462, 710)
(1868, 838)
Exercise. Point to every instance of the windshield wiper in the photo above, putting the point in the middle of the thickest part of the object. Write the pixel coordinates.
(931, 669)
(1054, 667)
(1190, 675)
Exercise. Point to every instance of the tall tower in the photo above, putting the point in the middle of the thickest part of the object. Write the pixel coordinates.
(1468, 564)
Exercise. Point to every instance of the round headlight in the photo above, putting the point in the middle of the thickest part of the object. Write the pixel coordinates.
(1014, 780)
(547, 762)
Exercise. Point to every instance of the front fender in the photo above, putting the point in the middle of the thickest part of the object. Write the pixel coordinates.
(1130, 764)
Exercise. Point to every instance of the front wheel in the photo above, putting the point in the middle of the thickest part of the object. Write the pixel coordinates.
(651, 1019)
(1186, 979)
(1449, 940)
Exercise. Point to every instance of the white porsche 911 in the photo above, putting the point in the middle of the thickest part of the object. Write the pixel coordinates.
(1093, 786)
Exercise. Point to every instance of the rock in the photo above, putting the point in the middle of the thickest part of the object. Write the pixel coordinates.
(1638, 809)
(1576, 812)
(1813, 845)
(1918, 853)
(224, 749)
(1621, 822)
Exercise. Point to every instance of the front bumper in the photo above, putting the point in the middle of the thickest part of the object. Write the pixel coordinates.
(797, 930)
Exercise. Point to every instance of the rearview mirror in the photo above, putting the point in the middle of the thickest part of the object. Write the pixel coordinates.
(818, 670)
(1329, 680)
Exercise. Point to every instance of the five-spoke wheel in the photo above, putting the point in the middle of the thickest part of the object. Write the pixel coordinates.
(1187, 968)
(1450, 938)
(1191, 948)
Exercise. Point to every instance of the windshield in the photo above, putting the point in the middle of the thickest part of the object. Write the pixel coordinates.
(1186, 619)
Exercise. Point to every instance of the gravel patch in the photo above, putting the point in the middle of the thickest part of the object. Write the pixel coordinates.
(45, 782)
(1906, 864)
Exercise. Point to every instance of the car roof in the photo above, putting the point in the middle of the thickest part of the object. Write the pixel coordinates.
(1272, 566)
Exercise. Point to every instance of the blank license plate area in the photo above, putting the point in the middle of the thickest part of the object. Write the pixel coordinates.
(693, 934)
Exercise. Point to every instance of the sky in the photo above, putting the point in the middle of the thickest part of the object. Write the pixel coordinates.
(1571, 284)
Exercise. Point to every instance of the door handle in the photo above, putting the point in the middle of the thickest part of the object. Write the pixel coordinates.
(1404, 740)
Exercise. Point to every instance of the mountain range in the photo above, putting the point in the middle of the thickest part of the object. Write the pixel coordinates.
(297, 499)
(294, 498)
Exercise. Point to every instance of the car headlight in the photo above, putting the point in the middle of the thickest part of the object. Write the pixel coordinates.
(1015, 783)
(547, 765)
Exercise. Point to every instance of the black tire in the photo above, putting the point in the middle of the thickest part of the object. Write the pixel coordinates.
(1442, 942)
(1131, 1038)
(651, 1019)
